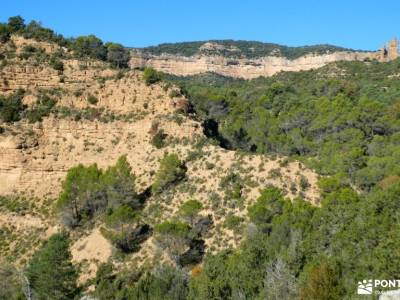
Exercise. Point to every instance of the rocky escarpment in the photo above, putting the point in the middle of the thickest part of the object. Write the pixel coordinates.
(240, 66)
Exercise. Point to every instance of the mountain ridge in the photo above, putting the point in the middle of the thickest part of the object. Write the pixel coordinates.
(255, 49)
(243, 59)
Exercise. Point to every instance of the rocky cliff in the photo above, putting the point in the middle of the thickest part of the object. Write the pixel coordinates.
(241, 67)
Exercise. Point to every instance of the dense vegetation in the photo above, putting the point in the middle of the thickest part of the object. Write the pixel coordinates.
(83, 46)
(342, 120)
(293, 251)
(237, 49)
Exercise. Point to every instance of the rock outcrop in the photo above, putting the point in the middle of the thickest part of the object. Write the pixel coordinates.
(249, 68)
(240, 68)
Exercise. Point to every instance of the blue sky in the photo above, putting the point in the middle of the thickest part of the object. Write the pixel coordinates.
(359, 24)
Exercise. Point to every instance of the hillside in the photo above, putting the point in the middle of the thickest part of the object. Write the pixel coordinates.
(38, 149)
(129, 183)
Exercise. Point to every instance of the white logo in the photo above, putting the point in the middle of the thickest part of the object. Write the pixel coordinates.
(365, 287)
(376, 286)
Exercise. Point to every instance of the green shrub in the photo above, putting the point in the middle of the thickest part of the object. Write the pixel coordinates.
(34, 30)
(164, 282)
(151, 76)
(13, 204)
(233, 222)
(161, 282)
(189, 210)
(41, 109)
(119, 75)
(57, 64)
(124, 230)
(174, 93)
(158, 140)
(173, 237)
(92, 99)
(172, 229)
(90, 46)
(117, 55)
(11, 107)
(304, 184)
(78, 93)
(171, 171)
(267, 206)
(28, 51)
(232, 183)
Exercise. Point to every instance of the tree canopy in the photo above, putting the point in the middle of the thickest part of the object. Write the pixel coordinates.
(89, 191)
(51, 273)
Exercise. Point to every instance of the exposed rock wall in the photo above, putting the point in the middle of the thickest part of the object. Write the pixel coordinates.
(241, 68)
(36, 158)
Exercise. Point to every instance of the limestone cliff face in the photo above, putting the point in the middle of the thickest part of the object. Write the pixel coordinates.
(241, 68)
(34, 159)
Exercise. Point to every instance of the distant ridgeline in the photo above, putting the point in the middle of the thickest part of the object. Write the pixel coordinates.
(247, 59)
(238, 49)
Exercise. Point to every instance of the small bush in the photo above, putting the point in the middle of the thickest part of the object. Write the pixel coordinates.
(233, 222)
(119, 75)
(28, 51)
(267, 206)
(123, 229)
(41, 109)
(78, 93)
(172, 228)
(92, 99)
(57, 64)
(171, 171)
(158, 139)
(174, 93)
(11, 107)
(151, 76)
(304, 184)
(189, 210)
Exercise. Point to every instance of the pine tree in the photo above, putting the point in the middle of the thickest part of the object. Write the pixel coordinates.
(51, 272)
